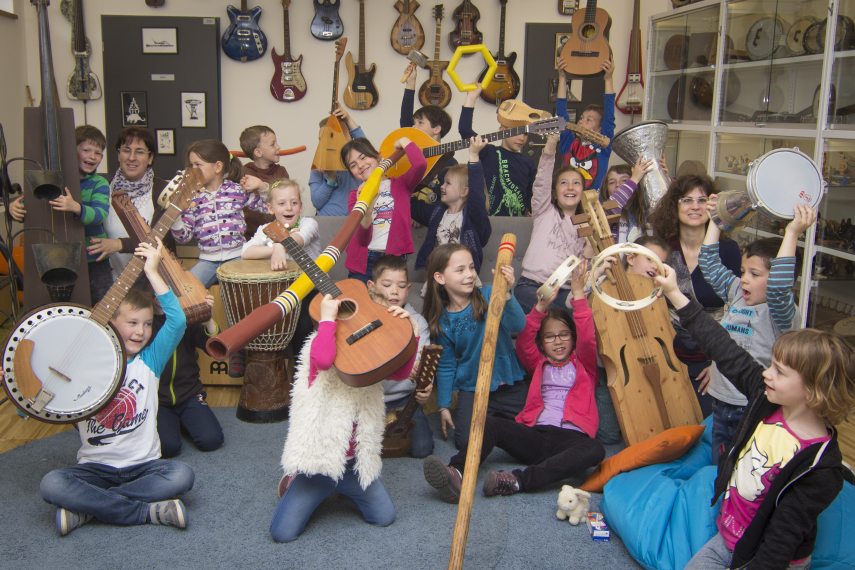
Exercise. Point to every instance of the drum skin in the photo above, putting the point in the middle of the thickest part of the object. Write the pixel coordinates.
(781, 179)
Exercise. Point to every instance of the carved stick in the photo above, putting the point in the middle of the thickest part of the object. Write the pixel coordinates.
(479, 407)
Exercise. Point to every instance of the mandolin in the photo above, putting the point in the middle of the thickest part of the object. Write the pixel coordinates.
(631, 95)
(360, 93)
(407, 33)
(587, 46)
(243, 40)
(505, 83)
(371, 343)
(649, 386)
(327, 25)
(83, 85)
(435, 91)
(433, 152)
(333, 135)
(396, 439)
(466, 32)
(288, 83)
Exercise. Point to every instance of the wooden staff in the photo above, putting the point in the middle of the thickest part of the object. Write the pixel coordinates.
(498, 298)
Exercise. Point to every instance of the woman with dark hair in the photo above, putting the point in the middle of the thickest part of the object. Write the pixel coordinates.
(136, 150)
(681, 219)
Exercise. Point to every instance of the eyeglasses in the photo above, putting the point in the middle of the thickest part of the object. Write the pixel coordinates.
(688, 201)
(135, 152)
(551, 337)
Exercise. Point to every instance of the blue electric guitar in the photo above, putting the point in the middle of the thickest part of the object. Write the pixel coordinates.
(243, 40)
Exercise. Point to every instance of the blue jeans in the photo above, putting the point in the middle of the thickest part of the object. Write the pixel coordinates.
(506, 402)
(193, 416)
(526, 293)
(421, 436)
(116, 495)
(206, 271)
(716, 555)
(726, 418)
(307, 492)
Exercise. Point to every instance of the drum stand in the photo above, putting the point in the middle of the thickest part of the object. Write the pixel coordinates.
(264, 398)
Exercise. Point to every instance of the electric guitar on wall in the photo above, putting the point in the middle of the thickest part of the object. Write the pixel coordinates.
(435, 91)
(505, 83)
(587, 47)
(360, 93)
(83, 85)
(243, 40)
(407, 33)
(466, 32)
(631, 95)
(327, 25)
(288, 83)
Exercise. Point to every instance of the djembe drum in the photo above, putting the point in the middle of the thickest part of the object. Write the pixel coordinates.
(245, 285)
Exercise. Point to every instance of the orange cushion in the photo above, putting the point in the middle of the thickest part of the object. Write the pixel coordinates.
(667, 446)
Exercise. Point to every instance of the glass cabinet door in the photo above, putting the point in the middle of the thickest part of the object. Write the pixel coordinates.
(841, 115)
(682, 68)
(772, 63)
(686, 152)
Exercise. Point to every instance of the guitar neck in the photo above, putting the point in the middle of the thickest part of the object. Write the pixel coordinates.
(243, 6)
(318, 276)
(459, 145)
(436, 51)
(634, 66)
(501, 53)
(361, 60)
(591, 11)
(334, 103)
(78, 35)
(287, 53)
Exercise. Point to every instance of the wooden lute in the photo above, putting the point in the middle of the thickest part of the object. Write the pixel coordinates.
(407, 33)
(333, 134)
(371, 343)
(649, 386)
(396, 439)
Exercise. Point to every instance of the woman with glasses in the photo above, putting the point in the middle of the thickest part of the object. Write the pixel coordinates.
(136, 150)
(681, 219)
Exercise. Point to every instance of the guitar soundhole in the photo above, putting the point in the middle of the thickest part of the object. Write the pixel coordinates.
(346, 309)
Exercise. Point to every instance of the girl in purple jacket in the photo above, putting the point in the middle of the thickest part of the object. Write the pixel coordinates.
(215, 220)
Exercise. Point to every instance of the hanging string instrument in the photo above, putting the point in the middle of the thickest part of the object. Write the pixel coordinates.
(407, 33)
(237, 336)
(64, 362)
(334, 135)
(186, 286)
(649, 386)
(587, 47)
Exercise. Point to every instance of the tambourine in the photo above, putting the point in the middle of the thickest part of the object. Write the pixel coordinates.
(558, 278)
(620, 304)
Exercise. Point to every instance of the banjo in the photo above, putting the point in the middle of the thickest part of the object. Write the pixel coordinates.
(63, 362)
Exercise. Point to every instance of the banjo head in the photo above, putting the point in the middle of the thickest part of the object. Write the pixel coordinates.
(78, 363)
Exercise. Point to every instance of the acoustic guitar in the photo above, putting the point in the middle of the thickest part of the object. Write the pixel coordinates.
(587, 47)
(327, 24)
(466, 32)
(83, 84)
(435, 91)
(360, 93)
(399, 425)
(333, 134)
(288, 84)
(243, 40)
(505, 83)
(433, 152)
(371, 343)
(407, 33)
(630, 97)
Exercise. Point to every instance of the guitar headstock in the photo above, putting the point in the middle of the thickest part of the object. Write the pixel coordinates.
(182, 189)
(428, 364)
(438, 12)
(277, 232)
(550, 126)
(286, 4)
(340, 44)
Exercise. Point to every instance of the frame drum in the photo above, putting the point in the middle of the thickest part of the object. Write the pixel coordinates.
(245, 285)
(781, 179)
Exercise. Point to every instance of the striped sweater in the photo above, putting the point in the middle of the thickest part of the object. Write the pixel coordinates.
(94, 207)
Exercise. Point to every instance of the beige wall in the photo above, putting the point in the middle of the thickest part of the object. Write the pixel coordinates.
(245, 87)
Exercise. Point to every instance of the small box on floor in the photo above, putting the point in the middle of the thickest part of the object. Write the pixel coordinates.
(597, 527)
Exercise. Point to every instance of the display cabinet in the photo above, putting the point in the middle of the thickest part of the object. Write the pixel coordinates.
(776, 74)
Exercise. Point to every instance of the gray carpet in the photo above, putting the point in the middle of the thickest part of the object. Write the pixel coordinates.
(233, 499)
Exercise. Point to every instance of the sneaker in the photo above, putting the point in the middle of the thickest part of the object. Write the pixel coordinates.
(284, 484)
(444, 478)
(170, 513)
(237, 363)
(501, 483)
(67, 521)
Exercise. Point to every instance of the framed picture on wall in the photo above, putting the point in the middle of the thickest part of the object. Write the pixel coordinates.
(165, 141)
(159, 40)
(560, 39)
(193, 109)
(134, 109)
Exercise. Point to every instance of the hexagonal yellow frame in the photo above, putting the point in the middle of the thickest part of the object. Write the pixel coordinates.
(488, 59)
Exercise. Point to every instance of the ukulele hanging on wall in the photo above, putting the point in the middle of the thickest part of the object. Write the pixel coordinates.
(360, 93)
(288, 84)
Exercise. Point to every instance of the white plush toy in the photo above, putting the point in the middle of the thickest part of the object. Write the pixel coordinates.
(572, 504)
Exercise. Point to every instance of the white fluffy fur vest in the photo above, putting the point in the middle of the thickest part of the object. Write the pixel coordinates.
(321, 423)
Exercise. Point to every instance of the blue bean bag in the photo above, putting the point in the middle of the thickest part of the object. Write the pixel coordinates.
(663, 515)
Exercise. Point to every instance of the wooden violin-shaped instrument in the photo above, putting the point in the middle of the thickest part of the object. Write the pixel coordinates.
(333, 134)
(649, 386)
(466, 33)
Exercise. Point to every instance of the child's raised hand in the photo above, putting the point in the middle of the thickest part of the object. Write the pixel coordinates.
(329, 308)
(642, 167)
(65, 203)
(578, 279)
(472, 96)
(551, 145)
(508, 274)
(476, 145)
(543, 303)
(251, 183)
(663, 166)
(402, 142)
(608, 68)
(151, 254)
(399, 312)
(607, 264)
(668, 281)
(17, 209)
(803, 217)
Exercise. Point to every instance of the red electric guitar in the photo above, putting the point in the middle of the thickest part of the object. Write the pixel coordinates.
(630, 97)
(288, 83)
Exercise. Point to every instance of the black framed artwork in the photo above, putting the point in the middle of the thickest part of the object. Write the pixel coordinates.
(134, 109)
